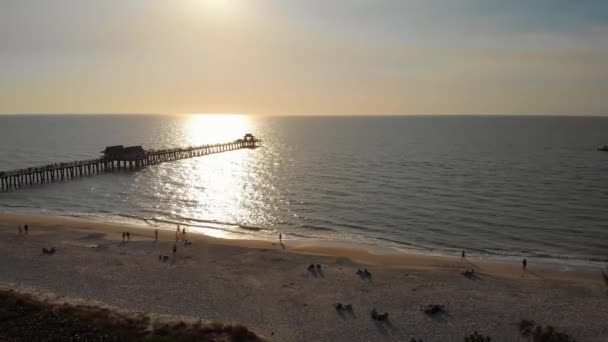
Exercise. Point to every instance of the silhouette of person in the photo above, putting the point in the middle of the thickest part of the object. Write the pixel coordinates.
(524, 263)
(281, 241)
(128, 236)
(123, 236)
(174, 249)
(156, 235)
(26, 227)
(463, 254)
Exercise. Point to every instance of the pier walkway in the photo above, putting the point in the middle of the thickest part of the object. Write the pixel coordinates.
(114, 158)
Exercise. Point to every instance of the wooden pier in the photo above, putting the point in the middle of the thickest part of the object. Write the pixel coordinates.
(114, 158)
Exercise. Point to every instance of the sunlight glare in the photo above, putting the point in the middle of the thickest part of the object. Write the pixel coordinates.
(217, 6)
(221, 183)
(215, 128)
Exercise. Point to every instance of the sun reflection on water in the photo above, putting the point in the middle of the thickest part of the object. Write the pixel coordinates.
(218, 186)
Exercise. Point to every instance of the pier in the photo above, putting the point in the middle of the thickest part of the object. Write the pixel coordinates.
(114, 158)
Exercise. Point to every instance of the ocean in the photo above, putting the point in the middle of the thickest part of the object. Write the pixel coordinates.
(503, 186)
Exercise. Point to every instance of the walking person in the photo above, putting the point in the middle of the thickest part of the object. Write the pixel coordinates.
(463, 254)
(128, 236)
(26, 228)
(174, 250)
(524, 263)
(177, 234)
(156, 235)
(184, 235)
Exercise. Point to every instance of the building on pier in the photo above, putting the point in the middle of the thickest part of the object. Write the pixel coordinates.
(249, 141)
(134, 153)
(119, 152)
(113, 152)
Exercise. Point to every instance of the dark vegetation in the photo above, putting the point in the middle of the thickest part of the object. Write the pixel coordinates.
(476, 337)
(23, 318)
(528, 329)
(542, 333)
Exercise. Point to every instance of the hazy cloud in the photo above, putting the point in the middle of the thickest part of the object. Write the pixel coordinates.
(299, 57)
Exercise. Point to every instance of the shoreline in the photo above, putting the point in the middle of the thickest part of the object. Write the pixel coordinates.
(217, 230)
(365, 254)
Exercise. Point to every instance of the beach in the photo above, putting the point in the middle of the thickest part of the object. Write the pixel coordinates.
(265, 285)
(303, 171)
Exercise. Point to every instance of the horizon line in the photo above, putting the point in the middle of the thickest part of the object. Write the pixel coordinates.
(301, 115)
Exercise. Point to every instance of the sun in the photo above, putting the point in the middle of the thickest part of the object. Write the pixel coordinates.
(214, 128)
(217, 12)
(218, 6)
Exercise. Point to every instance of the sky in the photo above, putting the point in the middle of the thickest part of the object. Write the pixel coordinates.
(304, 57)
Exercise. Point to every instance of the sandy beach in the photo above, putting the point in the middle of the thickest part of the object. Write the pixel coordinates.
(267, 287)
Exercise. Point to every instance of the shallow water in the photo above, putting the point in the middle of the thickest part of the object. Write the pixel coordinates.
(533, 186)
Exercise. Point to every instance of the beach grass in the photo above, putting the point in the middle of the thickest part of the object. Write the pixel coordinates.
(25, 318)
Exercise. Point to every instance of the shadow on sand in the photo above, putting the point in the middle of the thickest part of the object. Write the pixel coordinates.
(385, 327)
(345, 311)
(471, 276)
(364, 275)
(525, 271)
(316, 271)
(471, 263)
(440, 317)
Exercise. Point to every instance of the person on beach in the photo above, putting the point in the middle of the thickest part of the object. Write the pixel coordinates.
(184, 234)
(128, 236)
(26, 227)
(463, 254)
(177, 234)
(524, 263)
(123, 236)
(174, 249)
(156, 235)
(281, 240)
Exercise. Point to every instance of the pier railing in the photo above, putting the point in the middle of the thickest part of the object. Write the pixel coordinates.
(15, 179)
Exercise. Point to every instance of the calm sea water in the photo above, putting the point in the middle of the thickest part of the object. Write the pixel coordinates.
(511, 186)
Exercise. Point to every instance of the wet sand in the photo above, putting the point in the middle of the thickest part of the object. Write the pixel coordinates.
(268, 288)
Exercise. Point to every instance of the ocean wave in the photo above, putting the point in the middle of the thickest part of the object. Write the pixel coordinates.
(313, 227)
(6, 205)
(194, 222)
